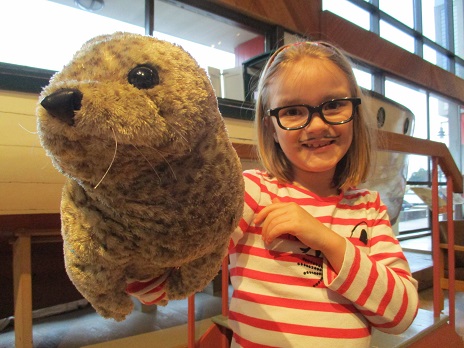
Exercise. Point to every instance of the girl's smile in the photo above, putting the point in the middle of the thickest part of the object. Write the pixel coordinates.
(317, 143)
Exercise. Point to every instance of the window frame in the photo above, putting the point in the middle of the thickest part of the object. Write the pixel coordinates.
(420, 40)
(27, 79)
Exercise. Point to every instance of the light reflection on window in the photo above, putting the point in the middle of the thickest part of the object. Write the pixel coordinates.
(349, 11)
(403, 12)
(396, 36)
(363, 78)
(41, 37)
(435, 57)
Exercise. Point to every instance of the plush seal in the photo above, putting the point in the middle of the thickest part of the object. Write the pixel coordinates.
(154, 186)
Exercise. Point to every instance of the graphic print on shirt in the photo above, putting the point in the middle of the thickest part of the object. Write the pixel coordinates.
(313, 266)
(310, 261)
(362, 235)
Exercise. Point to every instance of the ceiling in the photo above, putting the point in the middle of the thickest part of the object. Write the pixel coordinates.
(174, 20)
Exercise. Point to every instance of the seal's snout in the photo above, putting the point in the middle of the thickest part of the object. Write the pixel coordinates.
(63, 103)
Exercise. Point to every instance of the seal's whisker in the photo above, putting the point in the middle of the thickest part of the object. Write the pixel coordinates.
(149, 163)
(112, 161)
(164, 158)
(27, 130)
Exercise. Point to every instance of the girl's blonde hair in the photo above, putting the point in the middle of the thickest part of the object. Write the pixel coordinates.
(353, 168)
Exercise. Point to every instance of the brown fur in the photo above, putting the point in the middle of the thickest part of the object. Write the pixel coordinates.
(174, 192)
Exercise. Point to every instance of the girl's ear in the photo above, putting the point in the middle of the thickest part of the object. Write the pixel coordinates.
(275, 137)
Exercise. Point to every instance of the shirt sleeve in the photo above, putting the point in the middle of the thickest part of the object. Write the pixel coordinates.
(251, 204)
(378, 282)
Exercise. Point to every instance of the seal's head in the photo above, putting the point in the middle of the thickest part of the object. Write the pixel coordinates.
(129, 89)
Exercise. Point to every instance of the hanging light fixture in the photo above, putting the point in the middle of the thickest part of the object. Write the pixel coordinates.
(90, 5)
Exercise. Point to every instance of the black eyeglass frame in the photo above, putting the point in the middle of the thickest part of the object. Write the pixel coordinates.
(313, 109)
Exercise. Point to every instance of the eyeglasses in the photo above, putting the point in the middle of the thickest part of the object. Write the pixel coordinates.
(335, 111)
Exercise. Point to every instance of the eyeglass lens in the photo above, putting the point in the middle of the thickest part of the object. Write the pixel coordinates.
(334, 111)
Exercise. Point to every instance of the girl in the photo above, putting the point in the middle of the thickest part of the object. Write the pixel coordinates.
(314, 261)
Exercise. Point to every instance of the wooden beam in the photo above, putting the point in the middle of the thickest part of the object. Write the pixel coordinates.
(299, 16)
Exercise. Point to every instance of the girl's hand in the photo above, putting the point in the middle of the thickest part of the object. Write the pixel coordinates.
(281, 218)
(149, 292)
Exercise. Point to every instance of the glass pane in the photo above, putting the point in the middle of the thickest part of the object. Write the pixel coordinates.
(439, 125)
(445, 125)
(414, 99)
(461, 136)
(458, 11)
(349, 11)
(49, 32)
(396, 36)
(221, 52)
(437, 58)
(460, 70)
(418, 168)
(435, 22)
(363, 78)
(403, 13)
(414, 213)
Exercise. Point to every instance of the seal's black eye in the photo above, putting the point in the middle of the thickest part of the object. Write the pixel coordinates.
(143, 77)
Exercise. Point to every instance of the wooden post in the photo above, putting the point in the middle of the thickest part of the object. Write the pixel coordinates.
(22, 291)
(435, 240)
(451, 255)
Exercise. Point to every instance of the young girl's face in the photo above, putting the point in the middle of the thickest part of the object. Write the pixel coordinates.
(318, 147)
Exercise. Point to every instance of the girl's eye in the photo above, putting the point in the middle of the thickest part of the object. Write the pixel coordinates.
(291, 111)
(332, 105)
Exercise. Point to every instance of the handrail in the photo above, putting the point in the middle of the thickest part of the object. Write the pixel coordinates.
(441, 157)
(388, 141)
(395, 142)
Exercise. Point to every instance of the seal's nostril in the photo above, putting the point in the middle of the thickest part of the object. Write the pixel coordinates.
(63, 103)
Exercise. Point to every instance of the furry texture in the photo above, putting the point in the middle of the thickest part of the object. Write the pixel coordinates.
(142, 111)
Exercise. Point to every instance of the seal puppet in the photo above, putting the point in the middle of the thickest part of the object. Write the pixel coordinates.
(154, 187)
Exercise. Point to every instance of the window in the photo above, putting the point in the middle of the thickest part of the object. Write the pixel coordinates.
(426, 27)
(460, 70)
(438, 28)
(221, 52)
(437, 119)
(437, 58)
(395, 35)
(41, 29)
(51, 31)
(445, 121)
(363, 78)
(458, 21)
(349, 11)
(414, 214)
(403, 12)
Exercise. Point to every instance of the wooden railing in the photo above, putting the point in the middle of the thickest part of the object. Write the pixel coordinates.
(387, 141)
(441, 157)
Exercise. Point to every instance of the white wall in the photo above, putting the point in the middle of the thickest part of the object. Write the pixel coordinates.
(29, 184)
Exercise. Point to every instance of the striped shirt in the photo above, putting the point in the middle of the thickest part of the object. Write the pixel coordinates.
(287, 295)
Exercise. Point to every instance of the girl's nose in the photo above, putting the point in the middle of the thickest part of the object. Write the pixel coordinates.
(316, 123)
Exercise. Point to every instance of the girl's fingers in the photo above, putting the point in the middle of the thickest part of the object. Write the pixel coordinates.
(261, 216)
(277, 223)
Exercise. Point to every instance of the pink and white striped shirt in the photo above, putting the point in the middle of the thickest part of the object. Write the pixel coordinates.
(287, 295)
